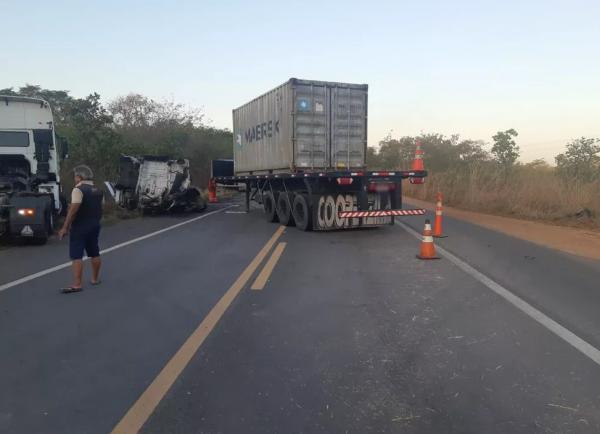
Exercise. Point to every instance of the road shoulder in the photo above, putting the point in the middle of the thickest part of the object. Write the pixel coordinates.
(580, 242)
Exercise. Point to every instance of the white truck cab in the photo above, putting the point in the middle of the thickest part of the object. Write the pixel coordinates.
(29, 168)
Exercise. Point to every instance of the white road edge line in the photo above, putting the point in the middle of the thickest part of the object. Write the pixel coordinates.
(565, 334)
(109, 249)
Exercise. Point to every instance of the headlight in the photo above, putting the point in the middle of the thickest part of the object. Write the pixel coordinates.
(26, 211)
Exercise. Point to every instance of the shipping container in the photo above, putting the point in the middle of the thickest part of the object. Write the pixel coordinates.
(302, 125)
(300, 150)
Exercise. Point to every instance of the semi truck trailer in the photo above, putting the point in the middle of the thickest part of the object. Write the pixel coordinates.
(301, 151)
(30, 190)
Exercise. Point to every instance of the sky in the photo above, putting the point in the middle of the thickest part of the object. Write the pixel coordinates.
(452, 67)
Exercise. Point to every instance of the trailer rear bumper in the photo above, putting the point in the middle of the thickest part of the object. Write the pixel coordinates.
(381, 213)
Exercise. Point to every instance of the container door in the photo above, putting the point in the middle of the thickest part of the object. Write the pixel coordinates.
(348, 127)
(311, 121)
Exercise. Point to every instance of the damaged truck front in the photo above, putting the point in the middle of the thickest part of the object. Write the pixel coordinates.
(156, 184)
(30, 198)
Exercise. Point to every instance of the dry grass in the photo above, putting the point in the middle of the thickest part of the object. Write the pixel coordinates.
(530, 193)
(112, 213)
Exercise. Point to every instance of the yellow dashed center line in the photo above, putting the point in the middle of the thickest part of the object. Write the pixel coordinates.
(264, 275)
(139, 413)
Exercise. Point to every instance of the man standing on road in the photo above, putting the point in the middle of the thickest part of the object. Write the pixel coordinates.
(83, 221)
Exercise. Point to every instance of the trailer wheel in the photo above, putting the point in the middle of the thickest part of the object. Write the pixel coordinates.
(270, 207)
(284, 210)
(302, 212)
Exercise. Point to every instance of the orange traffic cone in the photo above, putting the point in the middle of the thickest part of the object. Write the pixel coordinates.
(437, 224)
(417, 164)
(212, 191)
(427, 246)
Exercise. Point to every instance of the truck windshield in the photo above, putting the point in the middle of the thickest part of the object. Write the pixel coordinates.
(18, 139)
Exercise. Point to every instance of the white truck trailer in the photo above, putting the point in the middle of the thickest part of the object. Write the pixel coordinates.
(30, 190)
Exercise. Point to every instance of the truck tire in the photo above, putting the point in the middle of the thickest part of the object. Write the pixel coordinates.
(270, 207)
(41, 238)
(63, 206)
(302, 212)
(284, 209)
(50, 222)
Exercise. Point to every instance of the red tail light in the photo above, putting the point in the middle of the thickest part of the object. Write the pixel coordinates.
(344, 181)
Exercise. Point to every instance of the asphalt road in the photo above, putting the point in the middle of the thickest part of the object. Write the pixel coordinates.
(349, 333)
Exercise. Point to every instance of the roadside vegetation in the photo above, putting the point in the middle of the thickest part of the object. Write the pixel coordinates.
(98, 133)
(475, 176)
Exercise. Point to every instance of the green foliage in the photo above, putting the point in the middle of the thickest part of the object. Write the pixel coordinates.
(441, 153)
(132, 124)
(581, 161)
(505, 149)
(392, 153)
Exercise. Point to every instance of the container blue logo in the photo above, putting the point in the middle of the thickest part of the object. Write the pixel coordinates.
(303, 105)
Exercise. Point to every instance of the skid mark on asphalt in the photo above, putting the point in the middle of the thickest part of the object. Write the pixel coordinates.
(139, 413)
(565, 334)
(110, 249)
(264, 275)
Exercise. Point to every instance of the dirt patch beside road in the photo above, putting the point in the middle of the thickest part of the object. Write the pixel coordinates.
(580, 242)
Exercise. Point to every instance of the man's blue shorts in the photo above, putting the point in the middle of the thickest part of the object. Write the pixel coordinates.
(84, 238)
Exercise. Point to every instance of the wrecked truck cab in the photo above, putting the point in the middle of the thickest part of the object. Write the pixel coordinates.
(156, 184)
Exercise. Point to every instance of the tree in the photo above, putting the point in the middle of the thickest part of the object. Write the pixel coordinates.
(135, 110)
(396, 153)
(441, 153)
(471, 151)
(505, 149)
(373, 160)
(581, 160)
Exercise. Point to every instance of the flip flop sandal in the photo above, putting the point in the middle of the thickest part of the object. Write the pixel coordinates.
(70, 289)
(96, 283)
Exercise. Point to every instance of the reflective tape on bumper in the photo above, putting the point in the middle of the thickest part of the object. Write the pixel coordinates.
(381, 213)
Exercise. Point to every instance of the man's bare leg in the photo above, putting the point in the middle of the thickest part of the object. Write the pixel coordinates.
(77, 273)
(96, 264)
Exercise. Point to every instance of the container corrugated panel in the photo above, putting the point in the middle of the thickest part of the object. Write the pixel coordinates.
(349, 127)
(302, 125)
